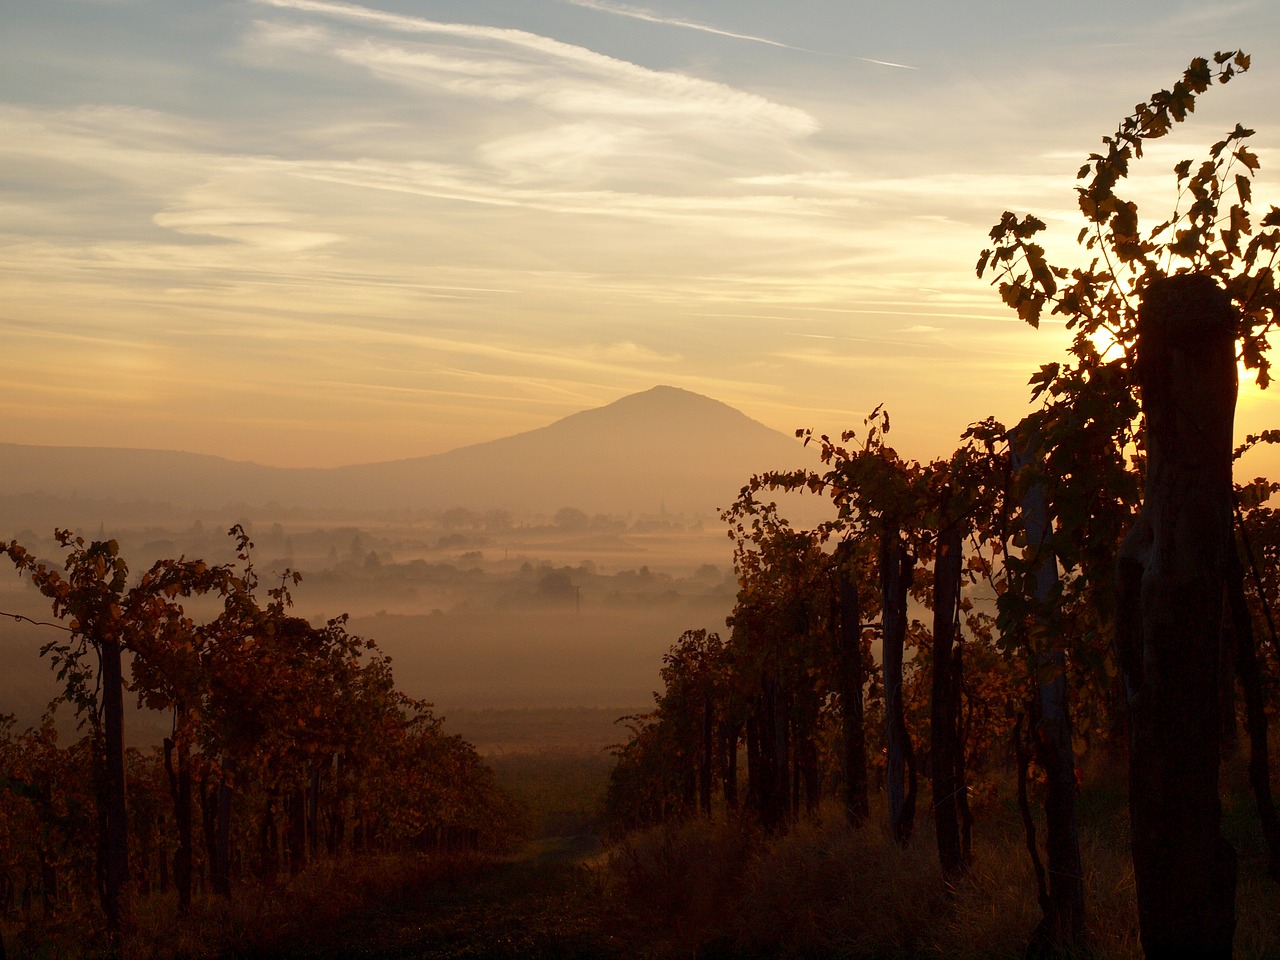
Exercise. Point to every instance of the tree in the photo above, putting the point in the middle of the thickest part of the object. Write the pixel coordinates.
(48, 828)
(853, 665)
(880, 494)
(946, 746)
(1027, 610)
(914, 513)
(1124, 345)
(170, 672)
(93, 596)
(571, 519)
(693, 675)
(1252, 595)
(780, 645)
(267, 709)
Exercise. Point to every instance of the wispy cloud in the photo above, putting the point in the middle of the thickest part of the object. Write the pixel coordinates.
(639, 13)
(341, 232)
(508, 65)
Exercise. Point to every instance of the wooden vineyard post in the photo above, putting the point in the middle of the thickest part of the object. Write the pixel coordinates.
(1172, 575)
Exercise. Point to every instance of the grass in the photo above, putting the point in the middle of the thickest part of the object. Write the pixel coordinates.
(823, 890)
(696, 890)
(406, 905)
(260, 920)
(544, 907)
(560, 790)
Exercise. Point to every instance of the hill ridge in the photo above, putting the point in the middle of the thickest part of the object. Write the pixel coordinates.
(663, 445)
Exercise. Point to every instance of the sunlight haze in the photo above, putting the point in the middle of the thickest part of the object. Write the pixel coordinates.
(315, 233)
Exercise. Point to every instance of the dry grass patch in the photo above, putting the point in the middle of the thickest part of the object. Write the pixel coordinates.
(719, 890)
(262, 920)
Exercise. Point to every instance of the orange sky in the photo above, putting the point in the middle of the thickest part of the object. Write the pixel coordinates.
(311, 233)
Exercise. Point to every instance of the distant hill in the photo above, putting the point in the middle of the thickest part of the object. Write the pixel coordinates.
(663, 448)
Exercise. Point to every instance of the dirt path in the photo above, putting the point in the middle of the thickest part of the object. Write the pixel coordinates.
(546, 904)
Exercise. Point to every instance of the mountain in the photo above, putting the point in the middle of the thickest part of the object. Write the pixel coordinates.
(663, 448)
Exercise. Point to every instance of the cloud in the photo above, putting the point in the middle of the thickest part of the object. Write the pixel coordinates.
(625, 353)
(219, 208)
(639, 13)
(364, 204)
(504, 64)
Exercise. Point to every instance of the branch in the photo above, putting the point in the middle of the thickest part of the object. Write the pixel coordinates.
(39, 623)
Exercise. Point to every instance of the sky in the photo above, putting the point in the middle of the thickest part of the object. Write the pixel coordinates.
(312, 233)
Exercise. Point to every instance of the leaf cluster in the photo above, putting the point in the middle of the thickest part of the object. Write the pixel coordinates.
(1211, 230)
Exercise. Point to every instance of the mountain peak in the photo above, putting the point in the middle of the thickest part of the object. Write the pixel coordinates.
(665, 445)
(665, 395)
(662, 408)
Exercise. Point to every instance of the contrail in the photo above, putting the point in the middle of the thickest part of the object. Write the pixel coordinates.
(637, 13)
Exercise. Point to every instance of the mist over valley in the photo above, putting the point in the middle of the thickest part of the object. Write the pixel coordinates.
(544, 571)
